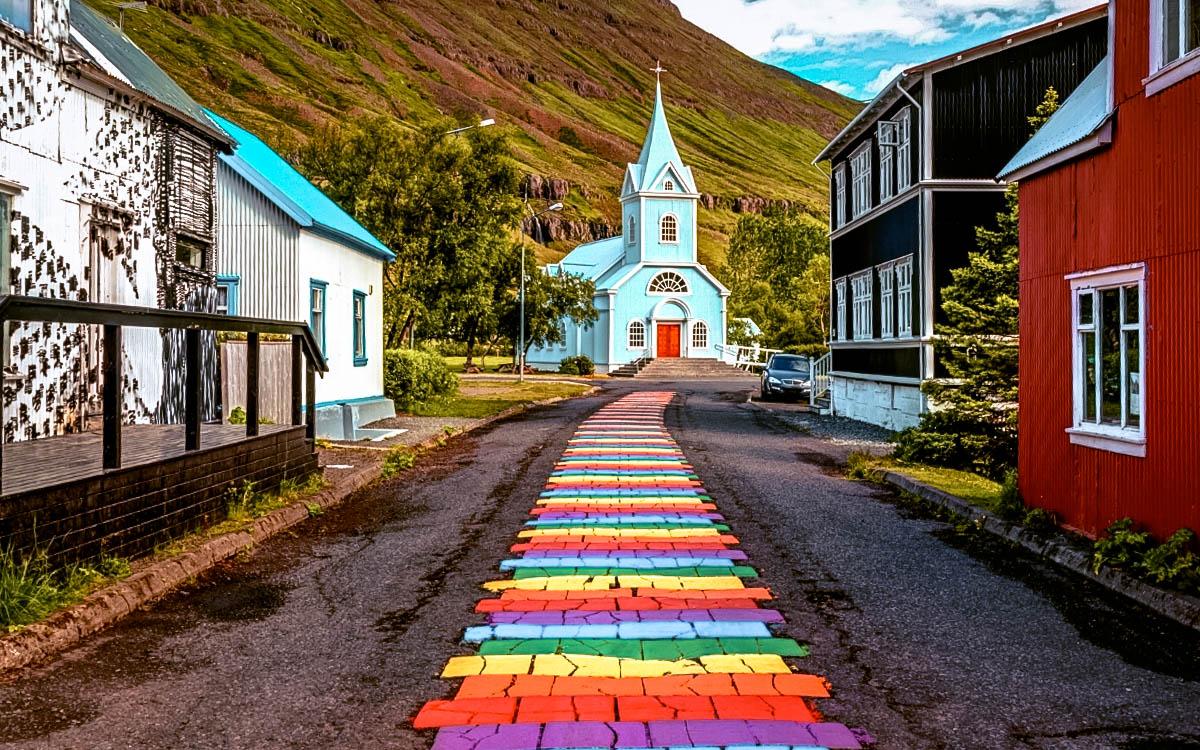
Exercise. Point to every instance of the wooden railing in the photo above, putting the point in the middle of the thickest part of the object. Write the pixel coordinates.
(307, 358)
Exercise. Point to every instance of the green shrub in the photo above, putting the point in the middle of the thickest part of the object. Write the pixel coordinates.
(581, 365)
(412, 376)
(31, 590)
(960, 439)
(1040, 521)
(237, 415)
(816, 351)
(1173, 562)
(1122, 547)
(1009, 504)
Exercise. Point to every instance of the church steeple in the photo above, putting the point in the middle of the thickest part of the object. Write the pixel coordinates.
(659, 148)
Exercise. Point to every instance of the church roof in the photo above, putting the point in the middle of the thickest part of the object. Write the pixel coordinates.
(659, 152)
(593, 260)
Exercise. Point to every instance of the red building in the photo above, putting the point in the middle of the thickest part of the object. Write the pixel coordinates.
(1110, 283)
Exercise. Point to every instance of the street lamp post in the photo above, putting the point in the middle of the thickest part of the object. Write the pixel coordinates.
(521, 342)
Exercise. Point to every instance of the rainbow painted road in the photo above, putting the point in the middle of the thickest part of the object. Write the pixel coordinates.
(630, 618)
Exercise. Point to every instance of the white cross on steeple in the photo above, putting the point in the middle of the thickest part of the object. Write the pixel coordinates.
(658, 70)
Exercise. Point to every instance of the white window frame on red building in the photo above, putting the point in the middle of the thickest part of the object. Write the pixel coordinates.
(1093, 432)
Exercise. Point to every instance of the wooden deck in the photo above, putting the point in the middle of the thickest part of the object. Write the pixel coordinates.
(40, 464)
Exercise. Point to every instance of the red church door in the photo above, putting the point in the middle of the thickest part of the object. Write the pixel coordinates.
(669, 335)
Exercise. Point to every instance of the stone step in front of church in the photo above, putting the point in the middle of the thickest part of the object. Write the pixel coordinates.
(690, 369)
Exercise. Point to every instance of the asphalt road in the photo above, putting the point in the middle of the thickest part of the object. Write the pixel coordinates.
(334, 635)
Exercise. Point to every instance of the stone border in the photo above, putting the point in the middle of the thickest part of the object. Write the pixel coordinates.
(102, 608)
(1182, 608)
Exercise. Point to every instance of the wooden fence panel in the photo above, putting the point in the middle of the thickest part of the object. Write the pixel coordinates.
(274, 379)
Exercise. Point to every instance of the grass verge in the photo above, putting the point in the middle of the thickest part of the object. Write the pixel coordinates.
(32, 590)
(491, 364)
(482, 399)
(973, 488)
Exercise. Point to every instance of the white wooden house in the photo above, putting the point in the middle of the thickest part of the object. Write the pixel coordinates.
(107, 172)
(286, 251)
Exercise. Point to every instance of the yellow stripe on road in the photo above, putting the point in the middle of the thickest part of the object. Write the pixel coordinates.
(584, 665)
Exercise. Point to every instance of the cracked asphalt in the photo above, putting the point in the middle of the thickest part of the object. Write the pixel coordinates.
(334, 635)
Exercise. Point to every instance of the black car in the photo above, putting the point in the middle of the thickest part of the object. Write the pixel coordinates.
(786, 375)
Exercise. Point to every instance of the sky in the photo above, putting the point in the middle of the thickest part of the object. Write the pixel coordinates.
(856, 47)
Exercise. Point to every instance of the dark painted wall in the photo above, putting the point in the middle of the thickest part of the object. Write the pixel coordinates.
(980, 107)
(956, 217)
(903, 363)
(885, 237)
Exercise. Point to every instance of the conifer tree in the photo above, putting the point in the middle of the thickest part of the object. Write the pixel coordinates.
(973, 423)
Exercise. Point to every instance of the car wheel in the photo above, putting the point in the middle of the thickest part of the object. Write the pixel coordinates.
(765, 390)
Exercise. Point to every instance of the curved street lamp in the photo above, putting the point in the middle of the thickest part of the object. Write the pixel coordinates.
(521, 343)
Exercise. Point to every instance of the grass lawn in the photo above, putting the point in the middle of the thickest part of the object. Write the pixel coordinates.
(459, 364)
(480, 399)
(973, 488)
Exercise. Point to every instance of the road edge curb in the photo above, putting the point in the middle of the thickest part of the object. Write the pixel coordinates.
(1178, 607)
(107, 606)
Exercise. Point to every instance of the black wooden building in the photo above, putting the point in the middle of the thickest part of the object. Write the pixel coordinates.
(911, 178)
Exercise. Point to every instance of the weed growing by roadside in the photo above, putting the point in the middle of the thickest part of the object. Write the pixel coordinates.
(32, 590)
(860, 466)
(1122, 546)
(1041, 522)
(396, 462)
(1173, 563)
(314, 510)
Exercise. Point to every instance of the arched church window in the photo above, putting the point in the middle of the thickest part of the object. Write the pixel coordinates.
(631, 236)
(669, 186)
(668, 282)
(699, 335)
(637, 335)
(670, 228)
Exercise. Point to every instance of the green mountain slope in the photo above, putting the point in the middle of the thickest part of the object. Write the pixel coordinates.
(570, 79)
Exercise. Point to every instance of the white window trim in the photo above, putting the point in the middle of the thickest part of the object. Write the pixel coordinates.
(840, 302)
(1164, 73)
(904, 323)
(887, 160)
(864, 325)
(699, 327)
(887, 299)
(668, 186)
(839, 207)
(1123, 440)
(661, 229)
(904, 150)
(629, 335)
(860, 180)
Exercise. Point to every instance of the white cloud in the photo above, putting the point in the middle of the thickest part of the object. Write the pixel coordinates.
(885, 77)
(760, 27)
(843, 88)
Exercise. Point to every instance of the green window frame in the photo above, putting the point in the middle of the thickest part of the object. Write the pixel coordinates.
(358, 317)
(318, 309)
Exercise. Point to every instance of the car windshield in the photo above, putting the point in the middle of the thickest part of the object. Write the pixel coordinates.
(790, 364)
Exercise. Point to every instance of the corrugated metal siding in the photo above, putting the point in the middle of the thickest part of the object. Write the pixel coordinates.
(1134, 202)
(258, 243)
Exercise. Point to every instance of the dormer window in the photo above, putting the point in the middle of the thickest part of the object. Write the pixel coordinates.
(668, 186)
(669, 227)
(18, 13)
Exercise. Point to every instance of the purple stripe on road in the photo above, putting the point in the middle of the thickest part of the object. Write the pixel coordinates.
(620, 616)
(581, 735)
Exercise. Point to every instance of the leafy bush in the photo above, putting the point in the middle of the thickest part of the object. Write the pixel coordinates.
(1040, 521)
(960, 439)
(1173, 562)
(816, 351)
(581, 365)
(412, 377)
(1009, 504)
(1122, 547)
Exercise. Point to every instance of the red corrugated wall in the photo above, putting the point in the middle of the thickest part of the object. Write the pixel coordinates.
(1137, 201)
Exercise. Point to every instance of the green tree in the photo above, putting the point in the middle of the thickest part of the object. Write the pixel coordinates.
(549, 301)
(447, 206)
(778, 271)
(974, 422)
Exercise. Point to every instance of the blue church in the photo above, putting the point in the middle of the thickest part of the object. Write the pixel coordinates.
(654, 299)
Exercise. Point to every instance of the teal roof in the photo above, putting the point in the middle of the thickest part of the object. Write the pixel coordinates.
(279, 181)
(659, 151)
(593, 260)
(1079, 117)
(133, 65)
